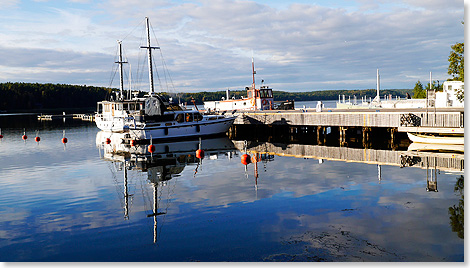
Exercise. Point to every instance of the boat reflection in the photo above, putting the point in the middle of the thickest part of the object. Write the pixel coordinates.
(165, 162)
(432, 161)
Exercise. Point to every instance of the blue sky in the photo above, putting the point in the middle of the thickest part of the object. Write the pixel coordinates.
(207, 45)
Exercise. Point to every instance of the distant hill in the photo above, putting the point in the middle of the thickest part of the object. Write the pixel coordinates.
(35, 96)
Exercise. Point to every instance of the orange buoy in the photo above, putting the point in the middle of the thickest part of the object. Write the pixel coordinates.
(151, 148)
(245, 159)
(24, 137)
(37, 139)
(108, 140)
(133, 142)
(64, 140)
(200, 153)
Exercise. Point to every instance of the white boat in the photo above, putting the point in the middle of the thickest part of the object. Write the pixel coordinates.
(255, 99)
(153, 117)
(434, 139)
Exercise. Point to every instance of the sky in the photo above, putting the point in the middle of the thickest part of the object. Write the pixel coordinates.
(208, 45)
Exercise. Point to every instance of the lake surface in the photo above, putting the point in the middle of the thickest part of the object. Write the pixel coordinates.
(79, 201)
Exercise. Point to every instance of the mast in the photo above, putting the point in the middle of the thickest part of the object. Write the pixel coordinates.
(253, 84)
(149, 54)
(121, 79)
(378, 86)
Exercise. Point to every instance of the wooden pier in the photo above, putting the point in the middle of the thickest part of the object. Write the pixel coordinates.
(84, 117)
(365, 122)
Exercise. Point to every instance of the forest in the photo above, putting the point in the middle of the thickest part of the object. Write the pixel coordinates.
(34, 96)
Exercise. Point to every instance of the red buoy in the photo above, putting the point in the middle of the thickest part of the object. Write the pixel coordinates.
(200, 153)
(108, 140)
(37, 139)
(245, 159)
(1, 136)
(151, 148)
(24, 137)
(133, 142)
(64, 140)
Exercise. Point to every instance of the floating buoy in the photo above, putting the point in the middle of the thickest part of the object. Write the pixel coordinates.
(37, 139)
(245, 159)
(133, 142)
(64, 139)
(200, 153)
(151, 148)
(108, 140)
(24, 137)
(1, 136)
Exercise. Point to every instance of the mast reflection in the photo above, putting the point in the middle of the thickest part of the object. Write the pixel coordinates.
(166, 161)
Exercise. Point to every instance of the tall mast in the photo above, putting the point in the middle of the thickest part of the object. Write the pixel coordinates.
(253, 85)
(378, 85)
(120, 62)
(149, 54)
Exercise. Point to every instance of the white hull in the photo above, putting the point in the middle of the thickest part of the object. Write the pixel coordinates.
(420, 138)
(416, 146)
(182, 130)
(169, 130)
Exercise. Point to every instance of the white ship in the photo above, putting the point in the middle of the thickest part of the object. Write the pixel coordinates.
(153, 117)
(256, 99)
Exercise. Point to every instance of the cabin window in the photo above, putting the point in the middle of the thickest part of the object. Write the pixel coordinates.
(180, 118)
(270, 93)
(198, 117)
(250, 94)
(107, 108)
(449, 87)
(126, 106)
(189, 117)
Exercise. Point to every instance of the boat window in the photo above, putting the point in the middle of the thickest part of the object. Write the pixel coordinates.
(270, 93)
(250, 94)
(126, 106)
(198, 117)
(189, 117)
(107, 108)
(180, 118)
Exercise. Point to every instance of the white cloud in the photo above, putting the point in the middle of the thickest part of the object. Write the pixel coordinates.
(208, 44)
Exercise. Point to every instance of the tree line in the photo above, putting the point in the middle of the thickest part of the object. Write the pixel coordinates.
(35, 96)
(29, 96)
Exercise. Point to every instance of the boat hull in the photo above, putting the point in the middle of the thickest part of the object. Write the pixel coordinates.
(422, 138)
(176, 131)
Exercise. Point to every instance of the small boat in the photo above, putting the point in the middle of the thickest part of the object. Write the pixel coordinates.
(436, 139)
(255, 100)
(418, 146)
(154, 117)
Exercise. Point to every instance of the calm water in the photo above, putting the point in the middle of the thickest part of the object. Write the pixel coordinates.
(81, 202)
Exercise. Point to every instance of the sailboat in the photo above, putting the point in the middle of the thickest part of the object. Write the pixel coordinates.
(153, 117)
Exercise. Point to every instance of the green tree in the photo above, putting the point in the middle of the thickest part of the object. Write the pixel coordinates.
(456, 62)
(418, 91)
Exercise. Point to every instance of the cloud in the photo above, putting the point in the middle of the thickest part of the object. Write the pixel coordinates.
(208, 45)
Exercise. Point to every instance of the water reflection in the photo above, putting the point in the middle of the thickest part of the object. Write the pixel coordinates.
(166, 161)
(457, 211)
(433, 162)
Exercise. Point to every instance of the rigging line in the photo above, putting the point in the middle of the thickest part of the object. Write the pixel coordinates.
(113, 68)
(164, 65)
(138, 25)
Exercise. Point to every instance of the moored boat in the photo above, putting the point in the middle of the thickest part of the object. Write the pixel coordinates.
(154, 117)
(256, 99)
(436, 139)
